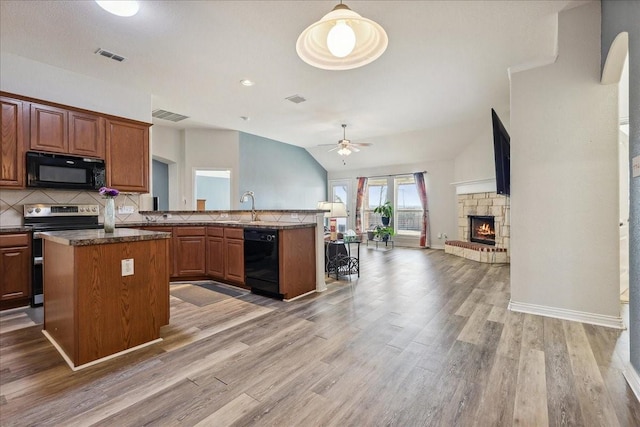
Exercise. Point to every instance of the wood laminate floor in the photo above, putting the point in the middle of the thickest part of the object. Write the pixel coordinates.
(422, 338)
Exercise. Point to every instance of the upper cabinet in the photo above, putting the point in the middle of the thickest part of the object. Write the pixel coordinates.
(59, 130)
(128, 156)
(15, 121)
(35, 125)
(49, 129)
(86, 134)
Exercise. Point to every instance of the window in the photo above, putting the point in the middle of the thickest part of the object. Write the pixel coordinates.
(376, 195)
(407, 208)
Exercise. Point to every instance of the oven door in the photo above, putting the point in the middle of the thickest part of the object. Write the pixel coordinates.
(57, 171)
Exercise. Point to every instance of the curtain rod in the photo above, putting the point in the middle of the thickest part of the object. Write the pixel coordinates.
(393, 174)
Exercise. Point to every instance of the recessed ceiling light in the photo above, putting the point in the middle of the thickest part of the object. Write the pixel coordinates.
(245, 118)
(247, 82)
(120, 7)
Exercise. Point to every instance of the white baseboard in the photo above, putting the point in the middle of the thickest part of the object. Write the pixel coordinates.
(633, 379)
(565, 314)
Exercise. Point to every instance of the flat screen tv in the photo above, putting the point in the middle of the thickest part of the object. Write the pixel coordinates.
(501, 150)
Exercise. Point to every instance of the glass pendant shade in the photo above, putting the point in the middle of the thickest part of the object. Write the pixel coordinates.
(326, 44)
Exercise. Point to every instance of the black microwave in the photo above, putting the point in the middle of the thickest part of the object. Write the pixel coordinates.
(46, 170)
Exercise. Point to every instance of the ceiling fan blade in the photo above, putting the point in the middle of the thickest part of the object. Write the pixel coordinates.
(362, 144)
(326, 145)
(333, 149)
(353, 148)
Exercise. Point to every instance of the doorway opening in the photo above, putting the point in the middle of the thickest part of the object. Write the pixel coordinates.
(212, 187)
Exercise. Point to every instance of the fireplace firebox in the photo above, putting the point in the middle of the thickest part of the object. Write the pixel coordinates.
(482, 229)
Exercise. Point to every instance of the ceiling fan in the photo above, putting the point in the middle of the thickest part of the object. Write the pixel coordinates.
(345, 146)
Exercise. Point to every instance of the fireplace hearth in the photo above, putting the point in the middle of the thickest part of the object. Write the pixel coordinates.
(482, 229)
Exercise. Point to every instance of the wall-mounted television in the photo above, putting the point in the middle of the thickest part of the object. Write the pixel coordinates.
(502, 154)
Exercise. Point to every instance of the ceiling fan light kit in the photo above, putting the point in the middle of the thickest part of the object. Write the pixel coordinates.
(341, 40)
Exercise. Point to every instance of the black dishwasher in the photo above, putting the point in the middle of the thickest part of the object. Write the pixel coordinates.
(261, 261)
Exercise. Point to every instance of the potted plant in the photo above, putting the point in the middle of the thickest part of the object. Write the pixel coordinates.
(383, 233)
(386, 212)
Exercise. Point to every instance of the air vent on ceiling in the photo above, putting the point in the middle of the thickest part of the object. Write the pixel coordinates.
(296, 99)
(111, 55)
(168, 115)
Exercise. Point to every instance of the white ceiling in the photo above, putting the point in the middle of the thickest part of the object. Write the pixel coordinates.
(426, 98)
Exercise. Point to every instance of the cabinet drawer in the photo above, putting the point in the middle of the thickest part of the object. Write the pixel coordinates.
(234, 233)
(189, 231)
(215, 231)
(11, 240)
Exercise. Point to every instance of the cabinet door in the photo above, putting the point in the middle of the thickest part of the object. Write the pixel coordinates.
(215, 257)
(127, 156)
(86, 135)
(49, 129)
(12, 160)
(190, 256)
(15, 264)
(234, 260)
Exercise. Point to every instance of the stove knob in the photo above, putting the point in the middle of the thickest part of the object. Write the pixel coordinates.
(38, 210)
(93, 209)
(30, 210)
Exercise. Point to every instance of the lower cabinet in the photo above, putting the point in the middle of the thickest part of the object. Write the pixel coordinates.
(215, 252)
(171, 245)
(15, 270)
(189, 251)
(234, 255)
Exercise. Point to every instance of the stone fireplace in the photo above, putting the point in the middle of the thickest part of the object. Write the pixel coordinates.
(482, 229)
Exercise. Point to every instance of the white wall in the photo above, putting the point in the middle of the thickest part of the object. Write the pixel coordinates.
(440, 192)
(167, 146)
(564, 178)
(208, 149)
(26, 77)
(476, 161)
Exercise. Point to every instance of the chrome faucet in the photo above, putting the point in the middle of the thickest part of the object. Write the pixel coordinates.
(254, 215)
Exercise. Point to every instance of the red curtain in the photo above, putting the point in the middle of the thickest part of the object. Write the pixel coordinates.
(362, 188)
(422, 192)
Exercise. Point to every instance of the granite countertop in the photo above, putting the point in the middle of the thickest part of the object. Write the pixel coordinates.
(99, 237)
(235, 224)
(15, 229)
(244, 211)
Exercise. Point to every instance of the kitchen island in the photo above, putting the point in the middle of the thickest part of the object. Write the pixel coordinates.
(104, 293)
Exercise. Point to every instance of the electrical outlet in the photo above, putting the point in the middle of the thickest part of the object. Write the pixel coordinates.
(126, 209)
(166, 216)
(294, 215)
(444, 235)
(224, 215)
(439, 235)
(127, 267)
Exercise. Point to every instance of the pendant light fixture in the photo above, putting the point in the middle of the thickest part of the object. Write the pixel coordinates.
(124, 8)
(342, 40)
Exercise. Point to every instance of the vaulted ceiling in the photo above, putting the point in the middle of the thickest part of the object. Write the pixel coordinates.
(426, 97)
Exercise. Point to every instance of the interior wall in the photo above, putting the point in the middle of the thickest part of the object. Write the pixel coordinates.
(476, 161)
(160, 180)
(167, 146)
(619, 16)
(282, 176)
(441, 194)
(564, 179)
(26, 77)
(210, 149)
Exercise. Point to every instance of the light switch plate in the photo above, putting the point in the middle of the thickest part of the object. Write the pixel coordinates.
(127, 267)
(635, 166)
(294, 215)
(126, 209)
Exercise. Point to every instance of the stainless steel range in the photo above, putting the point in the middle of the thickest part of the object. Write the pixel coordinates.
(48, 217)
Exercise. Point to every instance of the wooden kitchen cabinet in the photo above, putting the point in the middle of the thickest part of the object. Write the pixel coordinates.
(86, 135)
(234, 254)
(15, 128)
(15, 270)
(49, 129)
(171, 245)
(215, 252)
(127, 155)
(297, 263)
(190, 251)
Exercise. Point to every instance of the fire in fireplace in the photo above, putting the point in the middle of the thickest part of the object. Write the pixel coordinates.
(482, 229)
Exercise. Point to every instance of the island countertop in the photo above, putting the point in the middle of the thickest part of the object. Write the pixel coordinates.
(99, 237)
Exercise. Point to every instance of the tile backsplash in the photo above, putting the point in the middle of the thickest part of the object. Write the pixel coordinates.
(12, 202)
